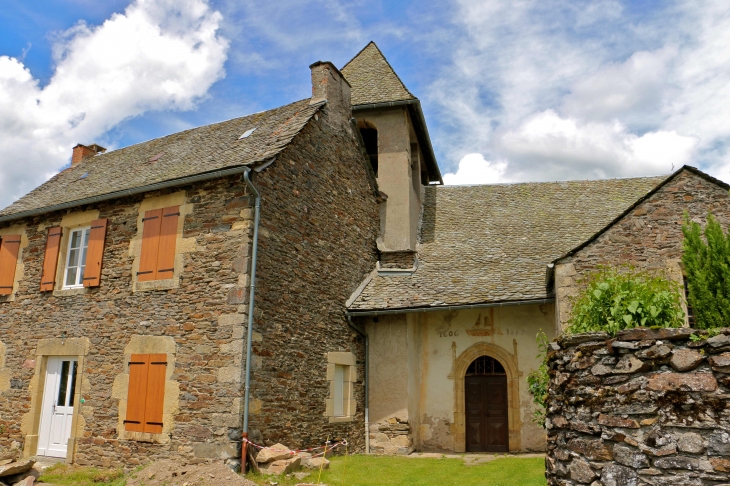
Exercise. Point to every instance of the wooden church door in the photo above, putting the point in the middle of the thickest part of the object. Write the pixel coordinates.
(486, 406)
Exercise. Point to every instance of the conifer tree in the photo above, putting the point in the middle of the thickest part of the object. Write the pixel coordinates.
(707, 267)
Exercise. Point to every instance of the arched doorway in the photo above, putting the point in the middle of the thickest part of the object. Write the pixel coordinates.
(486, 406)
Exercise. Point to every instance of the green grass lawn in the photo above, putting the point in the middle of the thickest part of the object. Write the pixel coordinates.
(391, 471)
(63, 475)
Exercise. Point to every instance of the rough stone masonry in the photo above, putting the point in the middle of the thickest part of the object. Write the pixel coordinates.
(648, 407)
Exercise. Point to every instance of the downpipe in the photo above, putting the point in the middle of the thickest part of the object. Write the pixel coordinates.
(249, 330)
(362, 333)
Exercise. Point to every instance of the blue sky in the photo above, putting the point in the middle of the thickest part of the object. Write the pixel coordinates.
(512, 90)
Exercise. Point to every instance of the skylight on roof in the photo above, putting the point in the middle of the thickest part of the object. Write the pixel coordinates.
(247, 133)
(84, 176)
(156, 157)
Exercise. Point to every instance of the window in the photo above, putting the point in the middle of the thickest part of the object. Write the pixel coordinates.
(159, 234)
(146, 393)
(9, 249)
(342, 375)
(83, 257)
(78, 244)
(339, 398)
(370, 138)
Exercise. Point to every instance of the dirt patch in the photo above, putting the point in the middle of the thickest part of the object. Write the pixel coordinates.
(171, 473)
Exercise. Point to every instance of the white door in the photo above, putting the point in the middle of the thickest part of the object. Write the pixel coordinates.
(58, 406)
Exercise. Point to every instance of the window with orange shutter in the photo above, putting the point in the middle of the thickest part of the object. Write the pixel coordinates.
(146, 393)
(159, 235)
(50, 258)
(9, 248)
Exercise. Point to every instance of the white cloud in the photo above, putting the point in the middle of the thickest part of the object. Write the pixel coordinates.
(157, 55)
(473, 169)
(566, 89)
(560, 147)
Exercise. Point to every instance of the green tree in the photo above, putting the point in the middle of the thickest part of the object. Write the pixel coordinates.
(707, 267)
(615, 299)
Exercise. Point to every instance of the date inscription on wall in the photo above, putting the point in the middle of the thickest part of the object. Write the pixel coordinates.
(484, 326)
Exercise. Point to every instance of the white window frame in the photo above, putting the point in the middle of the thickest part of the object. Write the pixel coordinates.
(83, 251)
(338, 404)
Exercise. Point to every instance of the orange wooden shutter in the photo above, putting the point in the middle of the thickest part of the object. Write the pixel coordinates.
(150, 245)
(137, 392)
(9, 247)
(155, 393)
(50, 259)
(168, 235)
(95, 253)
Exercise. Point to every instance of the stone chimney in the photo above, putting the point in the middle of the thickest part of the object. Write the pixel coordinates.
(329, 84)
(82, 152)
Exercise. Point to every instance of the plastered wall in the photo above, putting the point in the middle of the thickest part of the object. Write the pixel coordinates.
(418, 361)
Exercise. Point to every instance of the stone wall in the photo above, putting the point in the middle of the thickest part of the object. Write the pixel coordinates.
(203, 315)
(648, 237)
(392, 437)
(319, 222)
(649, 407)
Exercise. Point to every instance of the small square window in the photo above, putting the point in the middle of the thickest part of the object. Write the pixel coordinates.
(78, 243)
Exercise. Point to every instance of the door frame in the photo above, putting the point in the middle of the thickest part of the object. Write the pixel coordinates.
(509, 362)
(77, 348)
(484, 435)
(48, 414)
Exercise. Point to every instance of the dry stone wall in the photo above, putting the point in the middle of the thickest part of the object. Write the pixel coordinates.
(392, 437)
(648, 407)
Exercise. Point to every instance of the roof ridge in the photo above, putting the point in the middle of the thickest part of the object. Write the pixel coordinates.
(197, 128)
(568, 181)
(358, 53)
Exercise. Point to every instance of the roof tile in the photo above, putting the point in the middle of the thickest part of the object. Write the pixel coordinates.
(492, 243)
(192, 152)
(372, 78)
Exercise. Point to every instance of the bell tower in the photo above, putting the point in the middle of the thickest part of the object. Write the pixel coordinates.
(396, 140)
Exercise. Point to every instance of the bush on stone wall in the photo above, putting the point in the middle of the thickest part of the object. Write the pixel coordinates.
(623, 298)
(707, 265)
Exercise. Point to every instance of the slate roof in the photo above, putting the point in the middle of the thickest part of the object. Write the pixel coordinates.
(491, 243)
(372, 78)
(197, 151)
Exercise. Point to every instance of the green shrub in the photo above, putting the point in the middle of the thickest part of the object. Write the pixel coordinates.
(707, 266)
(615, 299)
(538, 380)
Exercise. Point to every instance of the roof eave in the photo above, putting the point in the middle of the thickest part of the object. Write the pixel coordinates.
(420, 127)
(132, 191)
(435, 308)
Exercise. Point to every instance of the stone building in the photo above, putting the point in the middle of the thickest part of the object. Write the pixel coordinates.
(388, 309)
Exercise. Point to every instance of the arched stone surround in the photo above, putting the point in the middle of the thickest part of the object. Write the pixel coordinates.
(461, 364)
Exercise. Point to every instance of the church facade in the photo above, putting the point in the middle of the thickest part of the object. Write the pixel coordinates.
(301, 274)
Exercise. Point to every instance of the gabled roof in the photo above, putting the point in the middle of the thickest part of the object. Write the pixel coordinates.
(202, 150)
(491, 243)
(372, 78)
(638, 202)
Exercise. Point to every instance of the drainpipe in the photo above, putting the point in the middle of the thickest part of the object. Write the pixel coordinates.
(251, 295)
(361, 332)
